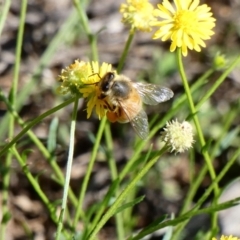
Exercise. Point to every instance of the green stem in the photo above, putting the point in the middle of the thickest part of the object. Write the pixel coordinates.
(32, 124)
(35, 184)
(226, 126)
(37, 188)
(46, 57)
(129, 164)
(195, 210)
(188, 215)
(124, 193)
(84, 20)
(195, 118)
(199, 131)
(125, 51)
(196, 183)
(219, 81)
(218, 178)
(110, 158)
(188, 200)
(59, 175)
(209, 189)
(82, 15)
(79, 210)
(69, 168)
(114, 175)
(177, 104)
(3, 13)
(230, 116)
(14, 89)
(12, 99)
(5, 197)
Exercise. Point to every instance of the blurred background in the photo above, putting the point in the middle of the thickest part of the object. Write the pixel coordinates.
(53, 39)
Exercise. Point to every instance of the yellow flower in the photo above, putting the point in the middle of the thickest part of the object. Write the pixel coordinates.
(90, 89)
(138, 14)
(72, 77)
(82, 78)
(178, 136)
(186, 25)
(227, 238)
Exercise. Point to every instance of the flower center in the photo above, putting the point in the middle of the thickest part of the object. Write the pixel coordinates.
(185, 20)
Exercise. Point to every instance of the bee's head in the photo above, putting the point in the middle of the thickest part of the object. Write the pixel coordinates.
(106, 82)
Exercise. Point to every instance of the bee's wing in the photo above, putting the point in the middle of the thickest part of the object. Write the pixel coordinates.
(139, 122)
(153, 94)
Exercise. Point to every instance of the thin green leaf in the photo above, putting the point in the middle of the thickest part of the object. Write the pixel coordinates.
(129, 204)
(151, 228)
(228, 139)
(52, 136)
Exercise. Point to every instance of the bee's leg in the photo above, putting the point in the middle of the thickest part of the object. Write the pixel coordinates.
(111, 108)
(102, 96)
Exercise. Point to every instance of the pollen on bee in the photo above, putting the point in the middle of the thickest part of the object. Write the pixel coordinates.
(112, 116)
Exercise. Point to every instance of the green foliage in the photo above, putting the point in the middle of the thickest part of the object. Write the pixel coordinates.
(216, 132)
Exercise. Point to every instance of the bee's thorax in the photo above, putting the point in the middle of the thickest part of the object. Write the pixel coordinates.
(114, 89)
(120, 89)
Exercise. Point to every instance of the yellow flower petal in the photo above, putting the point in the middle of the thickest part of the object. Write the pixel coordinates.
(82, 78)
(72, 77)
(185, 23)
(137, 14)
(227, 238)
(90, 89)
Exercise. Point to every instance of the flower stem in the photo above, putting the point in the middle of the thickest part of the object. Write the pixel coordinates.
(125, 51)
(33, 82)
(89, 170)
(219, 81)
(208, 190)
(197, 181)
(34, 183)
(4, 13)
(32, 124)
(12, 99)
(114, 176)
(178, 103)
(229, 118)
(111, 211)
(195, 117)
(84, 20)
(58, 172)
(69, 168)
(198, 128)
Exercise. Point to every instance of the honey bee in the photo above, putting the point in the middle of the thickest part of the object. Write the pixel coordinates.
(124, 98)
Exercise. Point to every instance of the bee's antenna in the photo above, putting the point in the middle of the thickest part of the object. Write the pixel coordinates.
(93, 75)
